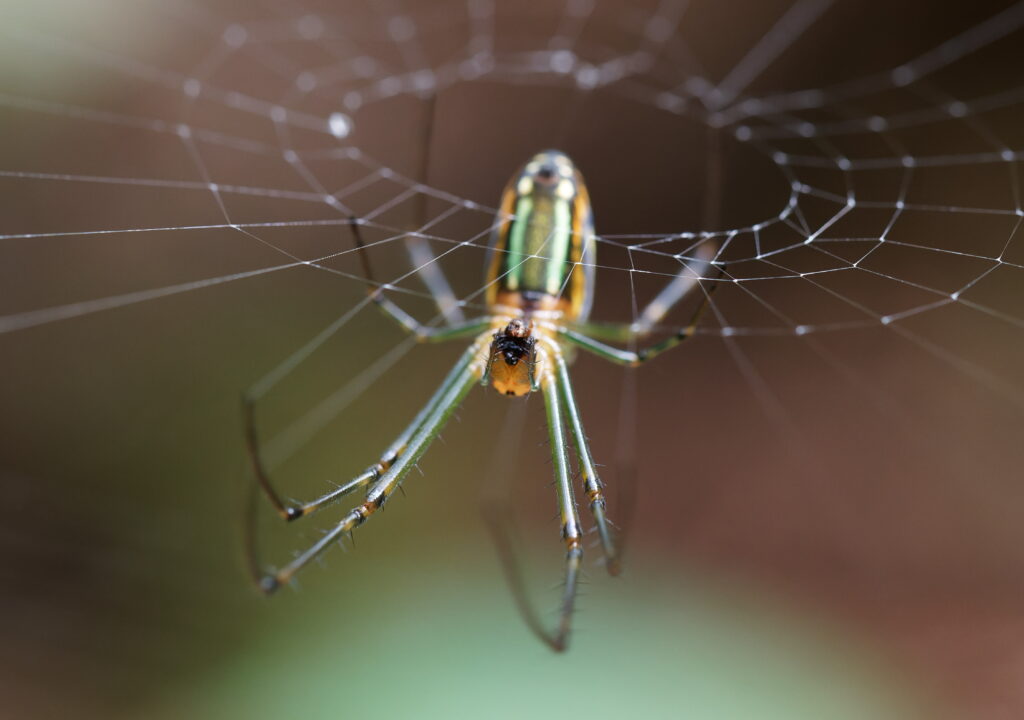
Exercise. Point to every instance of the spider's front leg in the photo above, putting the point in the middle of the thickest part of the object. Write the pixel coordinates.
(401, 457)
(294, 511)
(633, 358)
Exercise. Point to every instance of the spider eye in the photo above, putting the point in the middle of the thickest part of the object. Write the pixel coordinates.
(546, 173)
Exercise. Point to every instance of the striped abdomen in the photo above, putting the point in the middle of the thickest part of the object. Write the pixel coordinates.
(543, 250)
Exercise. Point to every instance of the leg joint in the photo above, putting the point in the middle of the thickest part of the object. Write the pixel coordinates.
(360, 513)
(571, 535)
(372, 505)
(269, 584)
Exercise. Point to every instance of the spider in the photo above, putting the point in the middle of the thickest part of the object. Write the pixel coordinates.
(540, 288)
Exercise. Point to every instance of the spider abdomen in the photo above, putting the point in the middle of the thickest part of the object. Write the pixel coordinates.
(542, 251)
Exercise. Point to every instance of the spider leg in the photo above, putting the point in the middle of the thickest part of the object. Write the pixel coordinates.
(631, 357)
(499, 523)
(685, 281)
(426, 333)
(370, 474)
(418, 247)
(485, 376)
(406, 321)
(570, 518)
(679, 287)
(464, 376)
(591, 482)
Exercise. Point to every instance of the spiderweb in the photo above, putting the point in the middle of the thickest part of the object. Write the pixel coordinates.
(166, 161)
(896, 192)
(886, 196)
(161, 159)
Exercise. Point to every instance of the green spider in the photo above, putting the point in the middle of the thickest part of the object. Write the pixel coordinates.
(540, 289)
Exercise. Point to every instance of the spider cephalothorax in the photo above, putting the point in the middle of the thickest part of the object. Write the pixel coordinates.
(512, 358)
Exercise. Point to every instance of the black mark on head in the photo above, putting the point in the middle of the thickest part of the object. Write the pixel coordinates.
(514, 342)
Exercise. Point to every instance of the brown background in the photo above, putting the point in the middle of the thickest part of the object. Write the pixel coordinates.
(874, 497)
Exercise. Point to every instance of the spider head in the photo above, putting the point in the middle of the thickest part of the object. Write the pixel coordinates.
(512, 358)
(548, 173)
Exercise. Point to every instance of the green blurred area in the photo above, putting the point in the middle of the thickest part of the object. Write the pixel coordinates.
(439, 639)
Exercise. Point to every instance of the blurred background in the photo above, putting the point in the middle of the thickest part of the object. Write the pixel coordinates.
(825, 522)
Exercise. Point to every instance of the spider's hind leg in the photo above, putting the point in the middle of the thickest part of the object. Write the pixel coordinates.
(294, 511)
(497, 515)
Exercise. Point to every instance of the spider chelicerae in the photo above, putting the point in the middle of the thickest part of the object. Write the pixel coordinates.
(540, 288)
